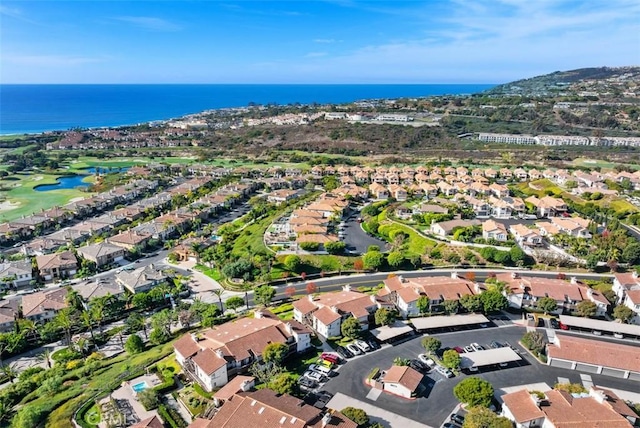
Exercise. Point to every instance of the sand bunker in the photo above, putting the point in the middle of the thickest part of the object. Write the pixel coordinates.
(8, 205)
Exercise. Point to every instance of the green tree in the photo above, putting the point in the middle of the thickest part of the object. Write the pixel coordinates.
(373, 259)
(591, 261)
(358, 416)
(474, 391)
(471, 302)
(399, 361)
(351, 328)
(547, 304)
(534, 341)
(292, 262)
(492, 301)
(159, 336)
(423, 304)
(517, 255)
(586, 308)
(234, 302)
(148, 398)
(283, 383)
(623, 313)
(384, 316)
(335, 247)
(451, 306)
(263, 295)
(395, 258)
(451, 359)
(481, 417)
(431, 344)
(162, 321)
(631, 253)
(275, 353)
(134, 345)
(29, 416)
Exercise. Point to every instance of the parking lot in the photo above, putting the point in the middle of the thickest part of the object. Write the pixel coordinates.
(436, 403)
(356, 239)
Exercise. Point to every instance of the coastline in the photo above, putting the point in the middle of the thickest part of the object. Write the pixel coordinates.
(27, 108)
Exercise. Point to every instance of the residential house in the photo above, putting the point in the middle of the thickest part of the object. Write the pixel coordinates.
(281, 196)
(548, 206)
(560, 409)
(326, 312)
(430, 190)
(266, 408)
(404, 293)
(15, 274)
(500, 208)
(44, 305)
(141, 279)
(9, 311)
(527, 291)
(574, 226)
(378, 191)
(57, 266)
(130, 239)
(446, 188)
(499, 190)
(493, 230)
(402, 381)
(151, 422)
(99, 288)
(520, 174)
(102, 253)
(40, 246)
(216, 354)
(525, 236)
(627, 289)
(398, 192)
(445, 228)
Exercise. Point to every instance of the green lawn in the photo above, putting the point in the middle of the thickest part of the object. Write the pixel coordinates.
(92, 417)
(211, 273)
(600, 163)
(30, 200)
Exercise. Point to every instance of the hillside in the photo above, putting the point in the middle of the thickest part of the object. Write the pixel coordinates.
(561, 81)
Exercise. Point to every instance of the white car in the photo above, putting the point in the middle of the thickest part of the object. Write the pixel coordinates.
(468, 348)
(426, 360)
(444, 371)
(362, 345)
(354, 349)
(477, 347)
(320, 369)
(314, 376)
(618, 335)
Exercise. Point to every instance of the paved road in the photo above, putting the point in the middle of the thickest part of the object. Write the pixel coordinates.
(438, 401)
(357, 239)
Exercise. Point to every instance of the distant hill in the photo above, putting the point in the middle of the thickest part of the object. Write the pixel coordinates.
(562, 80)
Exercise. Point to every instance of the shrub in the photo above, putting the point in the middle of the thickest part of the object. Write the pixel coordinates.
(170, 416)
(149, 399)
(134, 345)
(358, 416)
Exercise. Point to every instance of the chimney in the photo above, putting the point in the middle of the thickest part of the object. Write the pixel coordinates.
(574, 280)
(634, 274)
(288, 327)
(219, 353)
(326, 419)
(258, 314)
(246, 385)
(347, 287)
(310, 297)
(195, 337)
(598, 395)
(514, 275)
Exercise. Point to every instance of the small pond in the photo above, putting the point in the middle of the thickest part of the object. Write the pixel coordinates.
(73, 181)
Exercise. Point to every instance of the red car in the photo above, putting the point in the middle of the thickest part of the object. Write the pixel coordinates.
(332, 358)
(458, 349)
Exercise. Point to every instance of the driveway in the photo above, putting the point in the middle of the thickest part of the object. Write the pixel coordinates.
(438, 401)
(357, 239)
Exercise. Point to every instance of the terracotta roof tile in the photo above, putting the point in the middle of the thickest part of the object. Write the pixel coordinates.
(522, 406)
(403, 375)
(607, 354)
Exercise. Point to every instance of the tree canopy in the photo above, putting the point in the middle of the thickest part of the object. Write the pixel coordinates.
(263, 295)
(474, 391)
(547, 304)
(275, 353)
(451, 359)
(358, 416)
(481, 417)
(431, 344)
(350, 328)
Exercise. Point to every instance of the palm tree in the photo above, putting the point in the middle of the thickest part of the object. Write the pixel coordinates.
(45, 356)
(74, 299)
(28, 327)
(97, 312)
(65, 321)
(10, 371)
(87, 320)
(218, 292)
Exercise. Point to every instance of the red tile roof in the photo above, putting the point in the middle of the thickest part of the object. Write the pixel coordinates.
(403, 375)
(624, 357)
(522, 406)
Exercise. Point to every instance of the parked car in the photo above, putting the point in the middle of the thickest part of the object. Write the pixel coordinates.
(426, 360)
(477, 347)
(468, 348)
(459, 350)
(332, 358)
(373, 344)
(495, 345)
(419, 366)
(344, 352)
(323, 398)
(320, 369)
(307, 383)
(450, 425)
(597, 332)
(618, 335)
(444, 371)
(554, 323)
(315, 376)
(354, 349)
(457, 418)
(362, 345)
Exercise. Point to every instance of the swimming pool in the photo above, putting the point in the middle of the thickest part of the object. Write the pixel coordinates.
(140, 386)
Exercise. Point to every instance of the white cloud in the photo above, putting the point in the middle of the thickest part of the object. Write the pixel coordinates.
(150, 23)
(327, 41)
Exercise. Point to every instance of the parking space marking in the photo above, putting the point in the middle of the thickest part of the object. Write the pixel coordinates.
(374, 394)
(563, 380)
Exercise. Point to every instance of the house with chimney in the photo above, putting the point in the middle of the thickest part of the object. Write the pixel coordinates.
(57, 266)
(403, 293)
(326, 312)
(215, 355)
(266, 408)
(627, 289)
(527, 291)
(556, 408)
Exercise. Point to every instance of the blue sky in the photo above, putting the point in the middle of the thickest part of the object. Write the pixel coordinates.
(338, 41)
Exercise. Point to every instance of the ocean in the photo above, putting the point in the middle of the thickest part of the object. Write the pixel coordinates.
(40, 108)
